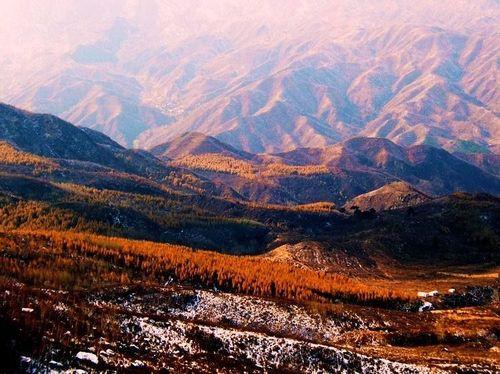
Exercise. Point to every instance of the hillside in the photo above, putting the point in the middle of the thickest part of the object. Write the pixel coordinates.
(489, 162)
(327, 283)
(73, 301)
(432, 170)
(201, 164)
(337, 173)
(51, 137)
(395, 195)
(212, 200)
(195, 144)
(84, 156)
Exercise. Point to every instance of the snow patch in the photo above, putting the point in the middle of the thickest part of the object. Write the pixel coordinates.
(425, 307)
(87, 356)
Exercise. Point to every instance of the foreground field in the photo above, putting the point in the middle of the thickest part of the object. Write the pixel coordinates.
(82, 301)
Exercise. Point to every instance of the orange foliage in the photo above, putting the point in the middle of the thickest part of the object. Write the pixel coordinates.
(229, 165)
(277, 169)
(10, 155)
(217, 163)
(80, 260)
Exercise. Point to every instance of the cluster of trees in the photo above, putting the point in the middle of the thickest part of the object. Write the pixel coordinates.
(188, 182)
(229, 165)
(217, 163)
(36, 215)
(11, 156)
(111, 212)
(277, 169)
(319, 207)
(70, 260)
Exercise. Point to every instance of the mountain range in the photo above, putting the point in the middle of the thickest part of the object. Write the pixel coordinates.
(197, 191)
(197, 163)
(148, 72)
(334, 173)
(257, 186)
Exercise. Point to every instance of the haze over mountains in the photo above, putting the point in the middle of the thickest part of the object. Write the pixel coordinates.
(260, 76)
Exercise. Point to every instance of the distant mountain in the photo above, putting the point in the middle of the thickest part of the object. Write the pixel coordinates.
(145, 73)
(337, 173)
(194, 144)
(394, 195)
(432, 170)
(411, 84)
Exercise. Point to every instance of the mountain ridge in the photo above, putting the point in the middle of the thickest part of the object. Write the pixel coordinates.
(334, 174)
(395, 195)
(299, 81)
(193, 143)
(339, 172)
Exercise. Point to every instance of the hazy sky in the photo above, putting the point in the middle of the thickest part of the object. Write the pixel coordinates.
(51, 19)
(30, 29)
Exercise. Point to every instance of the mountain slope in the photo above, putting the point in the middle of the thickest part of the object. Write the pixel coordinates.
(194, 144)
(340, 172)
(431, 170)
(394, 195)
(489, 162)
(205, 165)
(88, 157)
(48, 136)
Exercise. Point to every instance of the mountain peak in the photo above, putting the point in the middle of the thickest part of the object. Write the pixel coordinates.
(196, 143)
(49, 136)
(394, 195)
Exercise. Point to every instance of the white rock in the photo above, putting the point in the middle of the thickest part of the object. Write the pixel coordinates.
(87, 356)
(27, 310)
(138, 364)
(427, 306)
(108, 352)
(451, 290)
